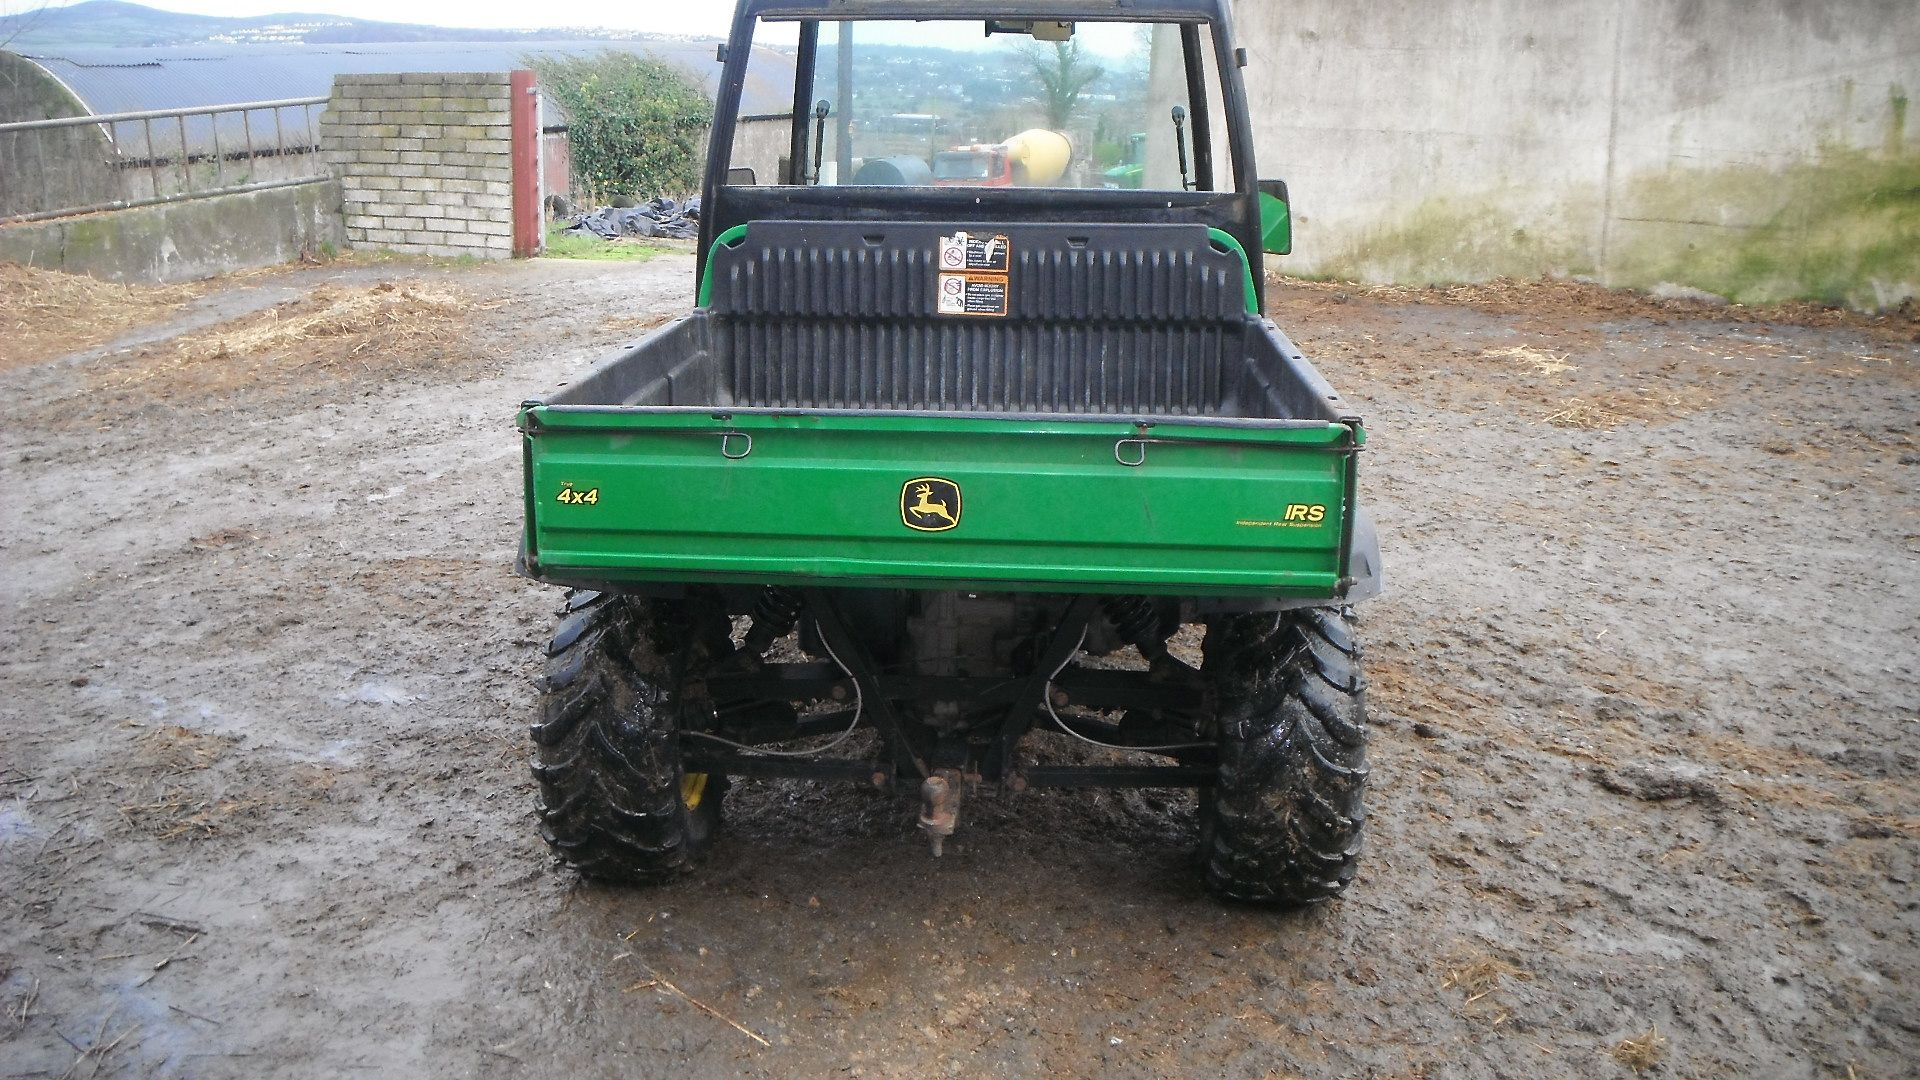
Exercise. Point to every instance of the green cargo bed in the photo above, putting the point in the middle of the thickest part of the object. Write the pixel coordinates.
(637, 494)
(818, 422)
(1193, 505)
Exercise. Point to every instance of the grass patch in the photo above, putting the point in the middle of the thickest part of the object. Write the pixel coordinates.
(584, 245)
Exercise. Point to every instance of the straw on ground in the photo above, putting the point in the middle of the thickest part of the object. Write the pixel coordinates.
(1643, 1051)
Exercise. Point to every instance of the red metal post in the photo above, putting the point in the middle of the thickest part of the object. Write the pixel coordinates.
(525, 111)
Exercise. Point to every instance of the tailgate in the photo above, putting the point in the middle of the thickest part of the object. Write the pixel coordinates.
(938, 501)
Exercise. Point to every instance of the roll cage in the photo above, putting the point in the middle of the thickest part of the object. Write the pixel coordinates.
(1204, 24)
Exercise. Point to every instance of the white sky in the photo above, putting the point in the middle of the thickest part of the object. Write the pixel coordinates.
(705, 17)
(709, 17)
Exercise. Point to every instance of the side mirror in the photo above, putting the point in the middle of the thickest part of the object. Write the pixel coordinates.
(742, 178)
(1276, 218)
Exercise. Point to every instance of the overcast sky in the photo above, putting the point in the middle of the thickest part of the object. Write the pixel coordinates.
(709, 17)
(706, 17)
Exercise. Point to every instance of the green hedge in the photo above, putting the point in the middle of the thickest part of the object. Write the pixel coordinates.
(635, 125)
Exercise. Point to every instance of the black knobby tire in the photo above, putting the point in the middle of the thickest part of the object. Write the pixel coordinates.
(1282, 823)
(615, 803)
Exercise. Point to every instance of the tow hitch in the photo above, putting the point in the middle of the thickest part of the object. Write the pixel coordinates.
(940, 805)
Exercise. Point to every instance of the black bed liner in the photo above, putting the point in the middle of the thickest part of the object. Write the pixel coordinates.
(1105, 320)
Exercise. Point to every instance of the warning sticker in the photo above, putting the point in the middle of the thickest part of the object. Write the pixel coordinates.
(973, 274)
(973, 294)
(980, 254)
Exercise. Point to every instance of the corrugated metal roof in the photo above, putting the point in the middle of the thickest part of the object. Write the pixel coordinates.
(111, 80)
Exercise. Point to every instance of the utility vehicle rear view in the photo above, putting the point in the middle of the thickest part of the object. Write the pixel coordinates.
(924, 451)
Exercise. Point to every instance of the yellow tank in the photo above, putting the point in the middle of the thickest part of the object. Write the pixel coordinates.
(1038, 157)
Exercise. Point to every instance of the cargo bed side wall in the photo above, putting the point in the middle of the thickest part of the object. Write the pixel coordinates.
(675, 366)
(697, 362)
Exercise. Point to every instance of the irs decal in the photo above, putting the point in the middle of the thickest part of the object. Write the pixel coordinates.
(1298, 516)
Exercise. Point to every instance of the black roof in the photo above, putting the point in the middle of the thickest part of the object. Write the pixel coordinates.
(183, 76)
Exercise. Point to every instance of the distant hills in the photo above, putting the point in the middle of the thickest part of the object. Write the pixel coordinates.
(114, 23)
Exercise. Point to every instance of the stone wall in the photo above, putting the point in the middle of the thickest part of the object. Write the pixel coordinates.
(185, 240)
(424, 161)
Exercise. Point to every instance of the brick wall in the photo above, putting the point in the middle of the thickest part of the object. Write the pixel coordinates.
(424, 161)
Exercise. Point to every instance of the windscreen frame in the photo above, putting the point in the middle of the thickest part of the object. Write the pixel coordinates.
(1235, 211)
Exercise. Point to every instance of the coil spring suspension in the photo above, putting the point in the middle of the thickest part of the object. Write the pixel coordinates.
(774, 613)
(1138, 623)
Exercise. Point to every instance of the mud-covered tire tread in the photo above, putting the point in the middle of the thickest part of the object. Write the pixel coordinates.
(604, 756)
(1283, 823)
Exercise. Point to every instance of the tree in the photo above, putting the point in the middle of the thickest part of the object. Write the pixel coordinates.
(1064, 72)
(635, 125)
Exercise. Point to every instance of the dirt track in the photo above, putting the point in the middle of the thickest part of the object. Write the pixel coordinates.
(1647, 700)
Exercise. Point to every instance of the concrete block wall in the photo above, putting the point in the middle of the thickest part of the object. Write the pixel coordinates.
(1756, 149)
(424, 161)
(185, 240)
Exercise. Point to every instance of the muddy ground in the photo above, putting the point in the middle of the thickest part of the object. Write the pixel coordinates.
(1645, 689)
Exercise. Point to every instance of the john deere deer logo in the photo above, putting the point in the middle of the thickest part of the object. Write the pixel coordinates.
(930, 504)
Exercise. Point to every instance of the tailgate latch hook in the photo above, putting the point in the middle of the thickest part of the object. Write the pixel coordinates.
(727, 445)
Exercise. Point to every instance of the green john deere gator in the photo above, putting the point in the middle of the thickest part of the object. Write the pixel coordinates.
(921, 447)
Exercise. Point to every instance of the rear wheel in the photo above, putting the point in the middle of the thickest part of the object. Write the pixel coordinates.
(1282, 823)
(615, 803)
